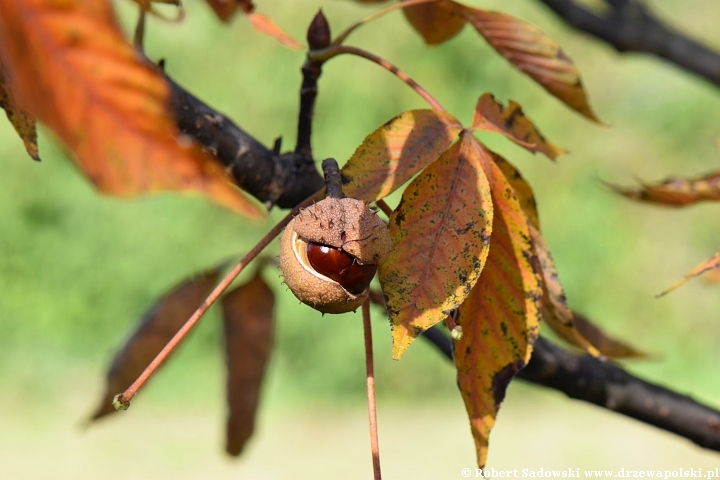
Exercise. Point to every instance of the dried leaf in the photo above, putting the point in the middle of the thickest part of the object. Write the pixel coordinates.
(72, 69)
(676, 192)
(23, 122)
(510, 121)
(709, 264)
(435, 22)
(248, 321)
(265, 25)
(396, 151)
(534, 53)
(157, 327)
(225, 9)
(500, 318)
(440, 233)
(607, 345)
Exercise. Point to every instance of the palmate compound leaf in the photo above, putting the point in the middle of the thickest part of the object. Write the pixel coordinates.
(493, 116)
(248, 326)
(396, 151)
(436, 22)
(676, 192)
(156, 328)
(23, 122)
(500, 318)
(571, 327)
(534, 53)
(70, 67)
(440, 233)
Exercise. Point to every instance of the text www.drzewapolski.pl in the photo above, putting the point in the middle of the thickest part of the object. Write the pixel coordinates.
(699, 473)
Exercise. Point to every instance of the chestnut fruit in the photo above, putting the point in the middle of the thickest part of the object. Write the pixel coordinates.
(342, 267)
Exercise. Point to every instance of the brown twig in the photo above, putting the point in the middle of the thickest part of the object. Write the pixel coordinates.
(382, 205)
(122, 400)
(333, 180)
(372, 410)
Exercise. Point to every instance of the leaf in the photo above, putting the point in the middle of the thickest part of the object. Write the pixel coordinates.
(500, 318)
(607, 345)
(225, 9)
(709, 264)
(157, 327)
(435, 22)
(396, 151)
(248, 325)
(23, 122)
(534, 53)
(675, 192)
(72, 69)
(440, 233)
(265, 25)
(492, 116)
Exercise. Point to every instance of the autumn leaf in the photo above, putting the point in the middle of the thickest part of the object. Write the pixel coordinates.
(70, 67)
(440, 233)
(610, 347)
(675, 192)
(500, 318)
(225, 9)
(248, 327)
(707, 265)
(396, 151)
(493, 116)
(22, 122)
(534, 53)
(265, 25)
(436, 22)
(157, 327)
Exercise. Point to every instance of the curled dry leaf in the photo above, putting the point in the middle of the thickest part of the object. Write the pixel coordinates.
(22, 122)
(534, 53)
(436, 22)
(440, 233)
(675, 192)
(248, 326)
(709, 264)
(70, 67)
(493, 116)
(500, 318)
(396, 151)
(225, 9)
(157, 327)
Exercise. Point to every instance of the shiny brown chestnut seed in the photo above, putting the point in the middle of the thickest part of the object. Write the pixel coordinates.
(340, 266)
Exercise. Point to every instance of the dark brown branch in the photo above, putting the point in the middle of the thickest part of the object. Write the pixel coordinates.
(333, 180)
(629, 26)
(606, 385)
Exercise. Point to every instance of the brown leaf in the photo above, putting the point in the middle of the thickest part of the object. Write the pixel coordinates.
(709, 264)
(534, 53)
(23, 122)
(435, 22)
(440, 234)
(500, 318)
(676, 192)
(157, 327)
(248, 320)
(396, 151)
(225, 9)
(72, 69)
(510, 121)
(265, 25)
(607, 345)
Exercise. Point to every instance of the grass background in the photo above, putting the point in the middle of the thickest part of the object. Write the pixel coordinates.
(77, 269)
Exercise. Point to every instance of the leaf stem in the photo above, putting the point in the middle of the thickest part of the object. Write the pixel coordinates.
(372, 410)
(122, 400)
(321, 56)
(382, 205)
(346, 33)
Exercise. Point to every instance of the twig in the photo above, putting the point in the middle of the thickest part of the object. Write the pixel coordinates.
(382, 205)
(333, 180)
(122, 400)
(631, 27)
(372, 410)
(321, 56)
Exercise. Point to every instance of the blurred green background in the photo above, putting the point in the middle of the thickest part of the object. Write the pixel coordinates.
(77, 269)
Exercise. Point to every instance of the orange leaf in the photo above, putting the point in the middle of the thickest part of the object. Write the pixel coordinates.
(396, 151)
(510, 121)
(440, 234)
(534, 53)
(248, 327)
(500, 318)
(157, 327)
(23, 122)
(265, 25)
(436, 22)
(70, 67)
(607, 345)
(676, 192)
(709, 264)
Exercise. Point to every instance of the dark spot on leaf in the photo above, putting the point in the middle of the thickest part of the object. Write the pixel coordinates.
(501, 380)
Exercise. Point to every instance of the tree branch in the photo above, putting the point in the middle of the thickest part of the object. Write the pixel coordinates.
(629, 26)
(606, 385)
